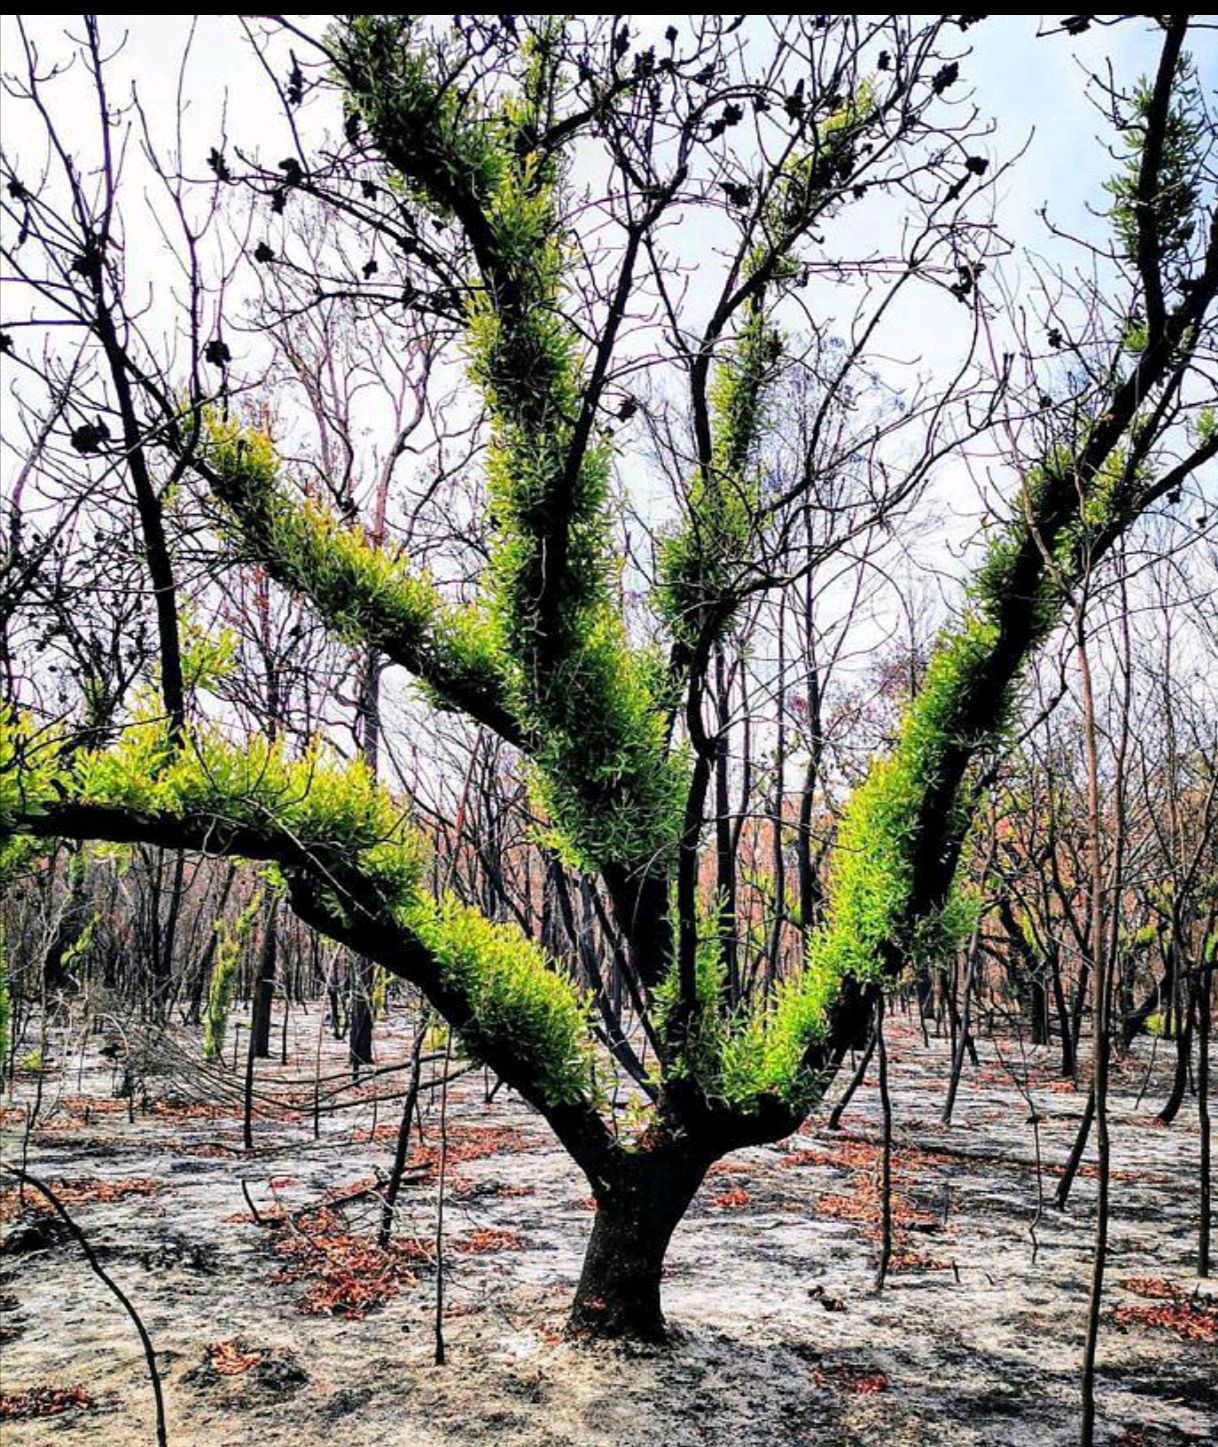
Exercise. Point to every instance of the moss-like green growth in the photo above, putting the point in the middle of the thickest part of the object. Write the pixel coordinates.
(701, 562)
(704, 1029)
(380, 993)
(330, 808)
(873, 924)
(1171, 213)
(28, 767)
(519, 1000)
(740, 1057)
(367, 594)
(208, 656)
(870, 928)
(338, 816)
(581, 691)
(233, 936)
(389, 69)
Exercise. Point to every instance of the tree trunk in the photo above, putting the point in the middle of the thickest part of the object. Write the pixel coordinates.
(1102, 965)
(1075, 1159)
(1203, 1113)
(71, 926)
(202, 972)
(1184, 1054)
(637, 1211)
(264, 987)
(402, 1148)
(167, 988)
(774, 960)
(1079, 1004)
(359, 1036)
(1039, 1006)
(964, 1035)
(860, 1074)
(725, 857)
(1069, 1055)
(924, 987)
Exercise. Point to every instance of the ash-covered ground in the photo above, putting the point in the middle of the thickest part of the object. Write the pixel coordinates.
(297, 1330)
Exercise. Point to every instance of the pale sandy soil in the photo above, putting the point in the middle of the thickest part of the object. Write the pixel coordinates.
(776, 1323)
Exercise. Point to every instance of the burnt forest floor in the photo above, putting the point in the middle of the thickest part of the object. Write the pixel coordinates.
(296, 1330)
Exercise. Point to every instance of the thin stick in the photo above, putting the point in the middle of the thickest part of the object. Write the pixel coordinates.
(881, 1270)
(402, 1148)
(247, 1115)
(249, 1201)
(1023, 1085)
(1203, 1113)
(1062, 1195)
(1100, 1030)
(860, 1072)
(440, 1207)
(317, 1086)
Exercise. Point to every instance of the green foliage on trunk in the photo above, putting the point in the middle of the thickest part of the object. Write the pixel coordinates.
(701, 562)
(588, 699)
(334, 811)
(705, 559)
(339, 817)
(740, 1056)
(547, 646)
(872, 927)
(233, 937)
(28, 770)
(1173, 209)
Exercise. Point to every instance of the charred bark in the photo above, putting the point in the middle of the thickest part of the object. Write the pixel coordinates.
(638, 1207)
(264, 988)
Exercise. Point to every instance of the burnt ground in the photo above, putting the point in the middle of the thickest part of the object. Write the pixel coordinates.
(297, 1331)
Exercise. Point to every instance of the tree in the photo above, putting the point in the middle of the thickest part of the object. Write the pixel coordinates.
(458, 160)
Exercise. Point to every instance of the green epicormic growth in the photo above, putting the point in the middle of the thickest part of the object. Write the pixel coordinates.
(366, 593)
(870, 927)
(1169, 213)
(701, 563)
(342, 827)
(329, 810)
(873, 923)
(587, 699)
(516, 997)
(812, 180)
(742, 1057)
(232, 938)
